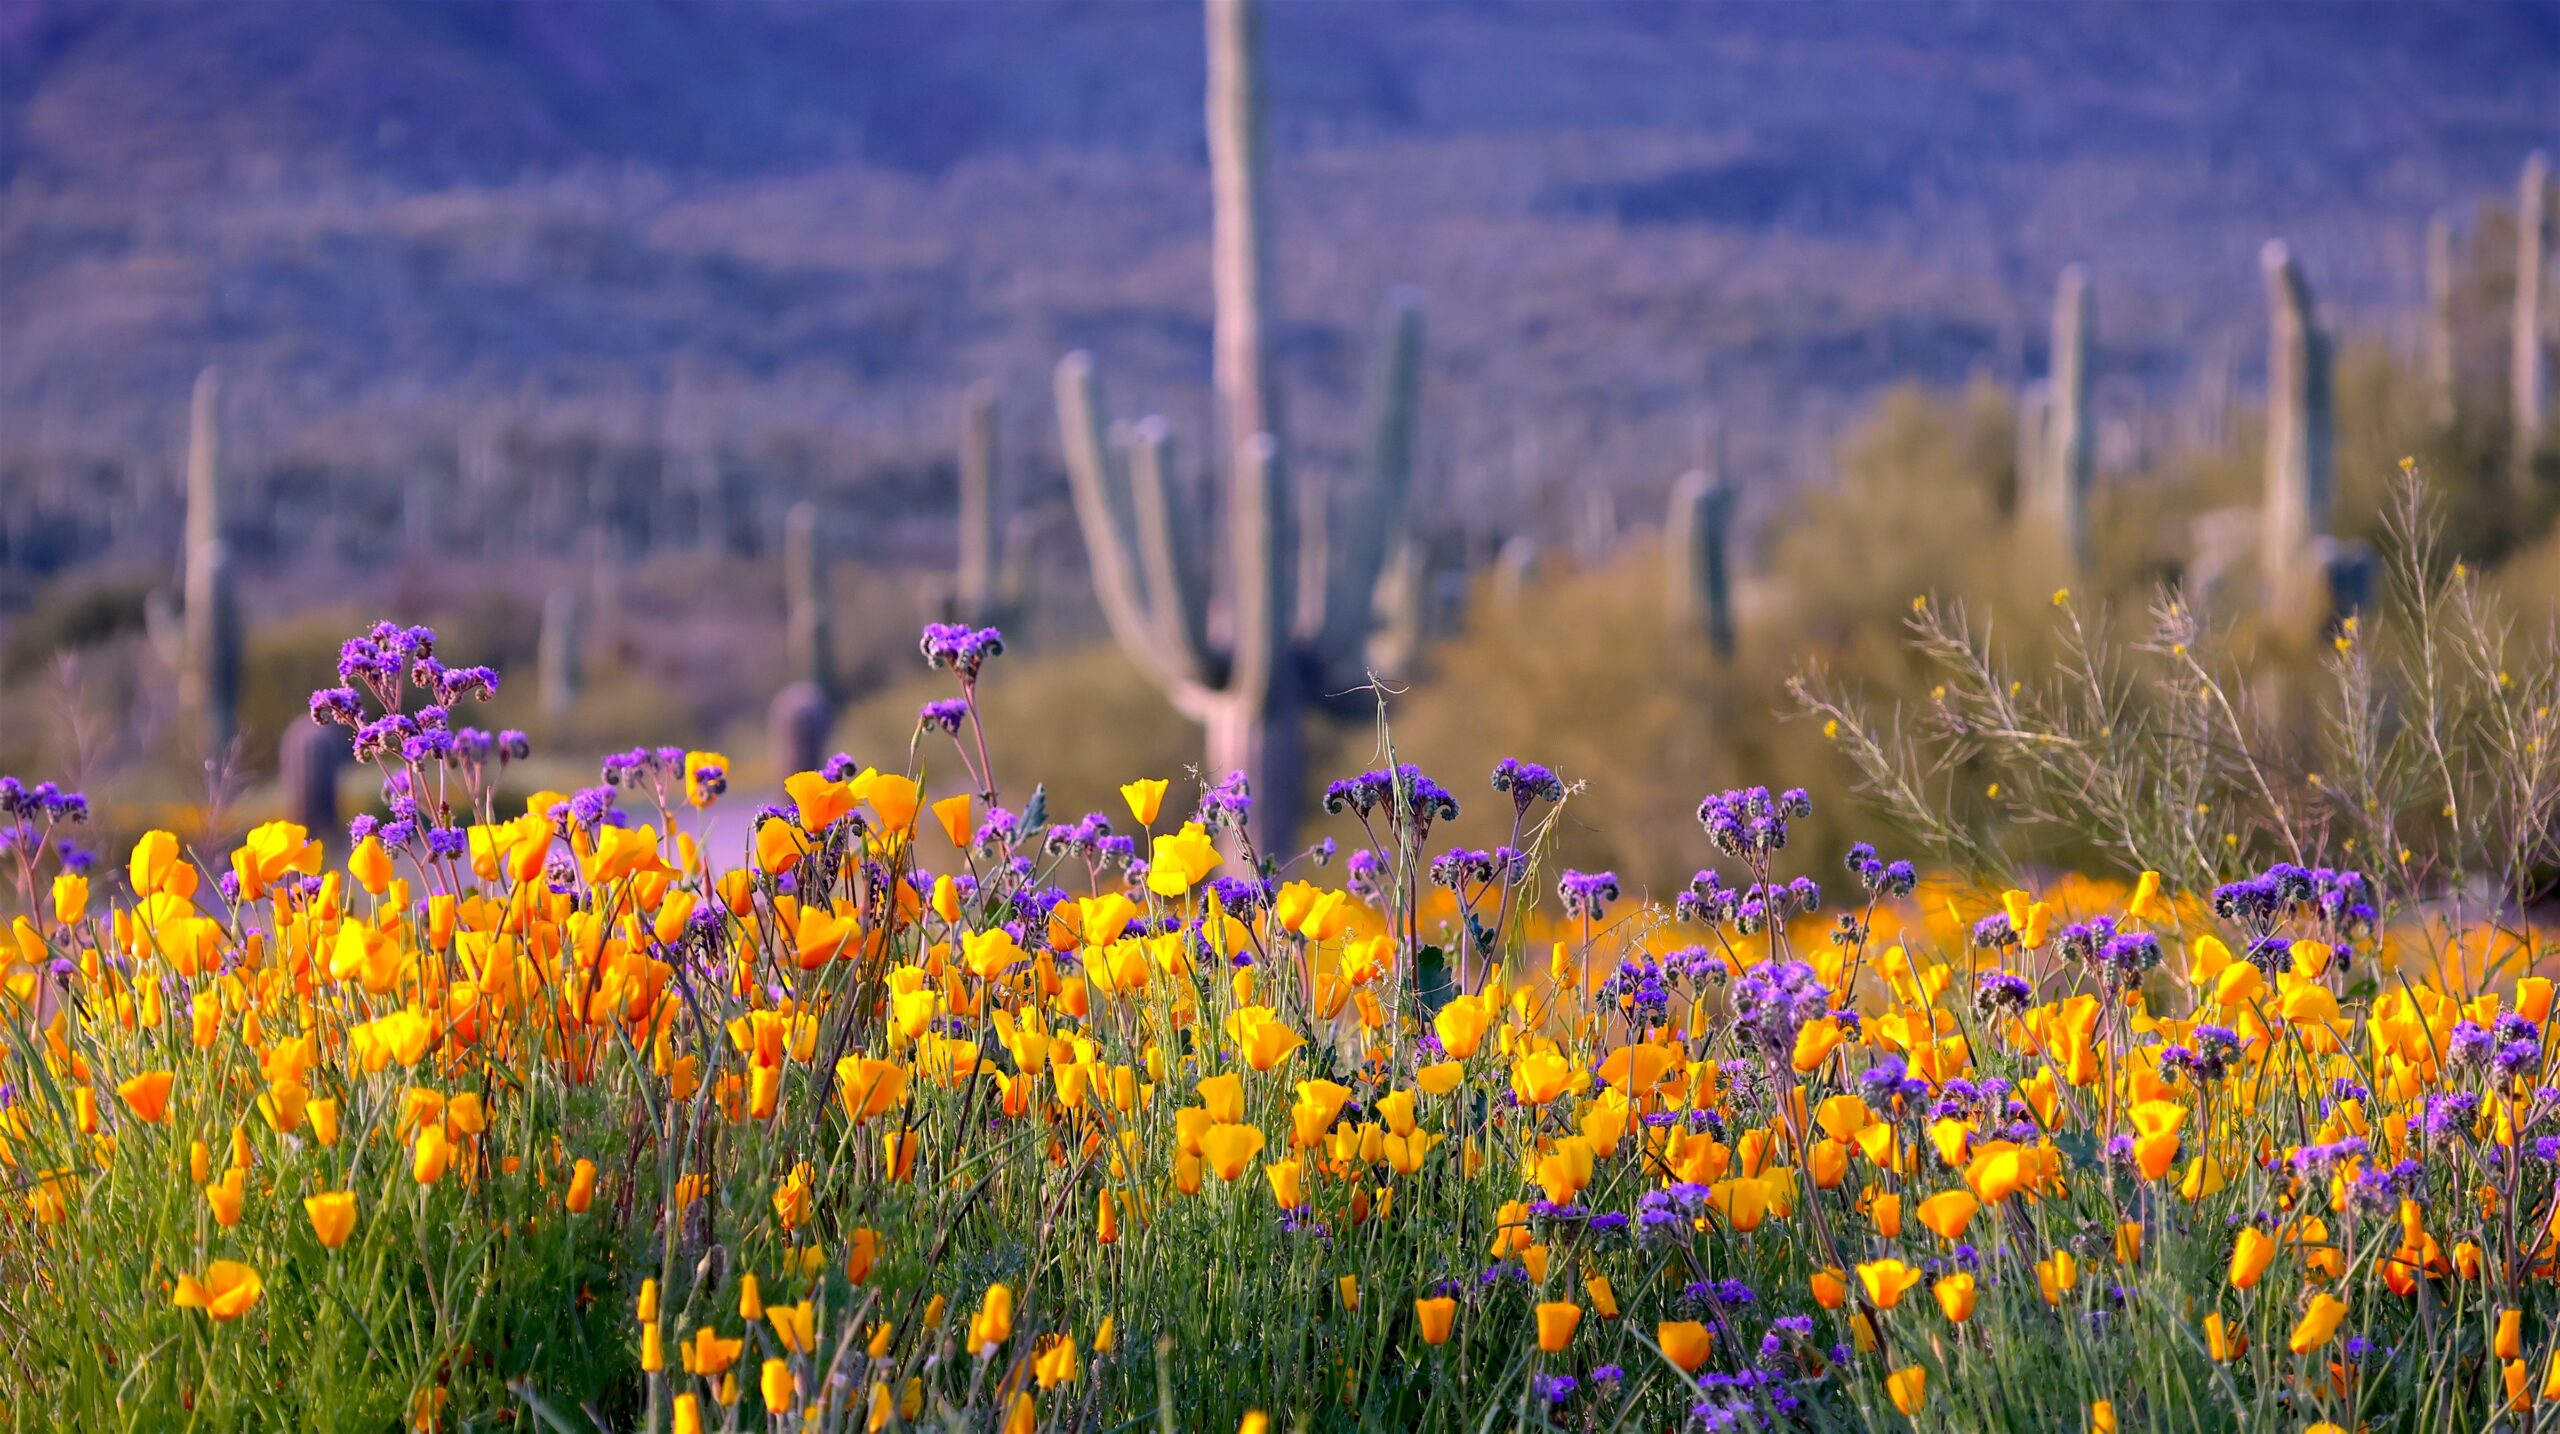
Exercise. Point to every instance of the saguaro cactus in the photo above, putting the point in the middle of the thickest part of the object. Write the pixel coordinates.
(559, 655)
(1697, 580)
(809, 638)
(2058, 499)
(2529, 375)
(976, 594)
(308, 761)
(209, 662)
(2300, 431)
(2443, 403)
(2035, 442)
(1283, 646)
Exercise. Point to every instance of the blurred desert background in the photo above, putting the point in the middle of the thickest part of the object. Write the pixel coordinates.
(672, 357)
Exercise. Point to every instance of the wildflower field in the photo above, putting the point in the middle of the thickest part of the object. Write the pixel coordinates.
(901, 1103)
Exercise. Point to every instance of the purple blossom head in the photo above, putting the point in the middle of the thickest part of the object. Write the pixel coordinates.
(960, 647)
(1527, 782)
(1587, 894)
(1774, 1001)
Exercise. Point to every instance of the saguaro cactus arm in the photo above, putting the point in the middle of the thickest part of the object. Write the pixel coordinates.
(1240, 246)
(977, 575)
(2067, 468)
(1365, 537)
(1167, 534)
(1106, 513)
(2298, 419)
(2529, 366)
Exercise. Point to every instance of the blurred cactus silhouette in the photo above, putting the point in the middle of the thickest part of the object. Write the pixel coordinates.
(2529, 374)
(2061, 442)
(1295, 630)
(209, 664)
(1697, 558)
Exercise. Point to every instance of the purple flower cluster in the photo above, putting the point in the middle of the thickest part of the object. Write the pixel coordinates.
(1459, 868)
(641, 764)
(2208, 1059)
(1881, 877)
(946, 715)
(45, 801)
(2126, 959)
(1748, 824)
(960, 647)
(1402, 788)
(1773, 1002)
(1999, 993)
(1637, 985)
(1587, 894)
(1081, 838)
(1228, 803)
(1527, 782)
(2343, 900)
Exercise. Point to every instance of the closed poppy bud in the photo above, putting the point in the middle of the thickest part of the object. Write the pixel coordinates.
(323, 1115)
(2057, 1275)
(1956, 1295)
(1685, 1343)
(688, 1414)
(1556, 1323)
(1435, 1316)
(2551, 1379)
(1888, 1216)
(1145, 798)
(1348, 1286)
(993, 1324)
(582, 1187)
(2129, 1243)
(226, 1196)
(1285, 1184)
(2102, 1417)
(861, 1253)
(2510, 1342)
(1106, 1224)
(653, 1349)
(1829, 1290)
(778, 1386)
(1830, 1164)
(1603, 1297)
(2250, 1256)
(1909, 1388)
(2319, 1323)
(2218, 1340)
(1948, 1212)
(333, 1216)
(147, 1095)
(750, 1298)
(434, 1155)
(1885, 1281)
(1106, 1338)
(648, 1308)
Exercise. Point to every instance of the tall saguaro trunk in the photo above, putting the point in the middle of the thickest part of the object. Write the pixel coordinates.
(2442, 400)
(210, 640)
(1240, 243)
(1696, 548)
(2300, 432)
(2062, 494)
(1292, 636)
(2529, 372)
(977, 600)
